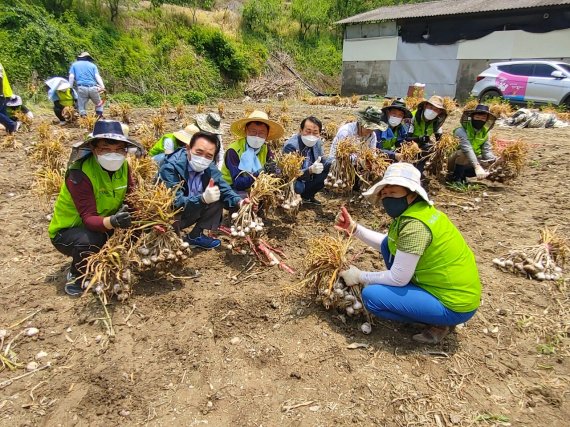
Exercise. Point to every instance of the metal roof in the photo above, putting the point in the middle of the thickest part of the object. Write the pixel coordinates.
(446, 8)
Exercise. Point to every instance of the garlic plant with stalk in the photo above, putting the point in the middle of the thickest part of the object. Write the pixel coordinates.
(290, 167)
(342, 174)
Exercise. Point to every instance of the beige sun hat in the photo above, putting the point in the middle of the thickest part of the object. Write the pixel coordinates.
(185, 135)
(275, 129)
(436, 101)
(210, 122)
(404, 174)
(84, 54)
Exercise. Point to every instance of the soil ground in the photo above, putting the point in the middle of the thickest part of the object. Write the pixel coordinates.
(224, 352)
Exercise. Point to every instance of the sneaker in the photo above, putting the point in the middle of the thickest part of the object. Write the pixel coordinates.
(311, 201)
(72, 287)
(203, 242)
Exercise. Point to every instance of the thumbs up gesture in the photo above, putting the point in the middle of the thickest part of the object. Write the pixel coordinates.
(212, 193)
(317, 167)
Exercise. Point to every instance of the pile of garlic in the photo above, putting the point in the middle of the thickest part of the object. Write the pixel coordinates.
(539, 267)
(334, 182)
(254, 226)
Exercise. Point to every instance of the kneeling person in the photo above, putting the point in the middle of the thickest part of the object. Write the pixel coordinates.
(90, 204)
(202, 192)
(315, 167)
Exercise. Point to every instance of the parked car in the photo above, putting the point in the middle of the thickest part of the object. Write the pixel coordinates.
(540, 82)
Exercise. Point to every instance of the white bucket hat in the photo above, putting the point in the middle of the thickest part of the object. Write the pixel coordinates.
(403, 174)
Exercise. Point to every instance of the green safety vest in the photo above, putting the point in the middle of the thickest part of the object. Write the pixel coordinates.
(158, 148)
(109, 191)
(447, 268)
(65, 97)
(6, 88)
(239, 147)
(421, 127)
(476, 138)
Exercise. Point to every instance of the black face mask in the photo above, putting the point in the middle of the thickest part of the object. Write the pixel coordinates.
(395, 206)
(478, 124)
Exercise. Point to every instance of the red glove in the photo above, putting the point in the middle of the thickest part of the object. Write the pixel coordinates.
(344, 222)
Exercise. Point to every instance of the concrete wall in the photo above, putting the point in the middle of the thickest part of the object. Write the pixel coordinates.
(365, 77)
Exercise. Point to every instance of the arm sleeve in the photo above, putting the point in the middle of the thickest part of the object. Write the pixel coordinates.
(131, 184)
(342, 133)
(241, 181)
(228, 196)
(168, 145)
(81, 192)
(99, 80)
(52, 95)
(71, 76)
(373, 141)
(400, 274)
(370, 237)
(465, 146)
(170, 178)
(487, 151)
(221, 154)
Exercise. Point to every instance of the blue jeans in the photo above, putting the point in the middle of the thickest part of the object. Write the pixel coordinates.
(409, 303)
(5, 120)
(307, 189)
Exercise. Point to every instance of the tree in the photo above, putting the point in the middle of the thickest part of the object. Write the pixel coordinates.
(156, 3)
(310, 13)
(260, 16)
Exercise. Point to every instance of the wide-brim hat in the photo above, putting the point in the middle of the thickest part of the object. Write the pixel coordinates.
(481, 109)
(372, 118)
(210, 122)
(186, 134)
(108, 129)
(55, 82)
(84, 54)
(14, 101)
(436, 101)
(403, 174)
(400, 105)
(275, 129)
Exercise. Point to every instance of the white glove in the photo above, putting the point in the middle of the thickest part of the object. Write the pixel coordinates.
(351, 276)
(317, 167)
(212, 193)
(480, 172)
(30, 115)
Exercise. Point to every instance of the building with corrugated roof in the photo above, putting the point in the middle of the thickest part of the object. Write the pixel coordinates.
(446, 44)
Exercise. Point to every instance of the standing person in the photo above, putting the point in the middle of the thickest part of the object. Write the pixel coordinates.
(90, 204)
(431, 274)
(10, 125)
(474, 145)
(62, 95)
(397, 116)
(14, 105)
(85, 74)
(201, 191)
(247, 156)
(368, 121)
(315, 167)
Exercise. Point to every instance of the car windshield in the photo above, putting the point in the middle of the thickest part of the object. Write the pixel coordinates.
(565, 67)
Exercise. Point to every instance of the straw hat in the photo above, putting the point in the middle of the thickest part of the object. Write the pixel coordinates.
(275, 129)
(436, 101)
(372, 118)
(185, 135)
(84, 54)
(210, 122)
(404, 174)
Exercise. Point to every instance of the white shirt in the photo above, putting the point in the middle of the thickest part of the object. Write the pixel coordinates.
(348, 130)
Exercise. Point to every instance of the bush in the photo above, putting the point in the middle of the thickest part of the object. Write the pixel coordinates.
(194, 97)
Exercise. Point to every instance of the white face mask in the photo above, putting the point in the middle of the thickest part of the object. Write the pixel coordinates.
(111, 161)
(255, 142)
(429, 114)
(310, 140)
(198, 164)
(394, 121)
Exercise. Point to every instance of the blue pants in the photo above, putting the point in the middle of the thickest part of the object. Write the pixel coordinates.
(410, 303)
(5, 119)
(307, 189)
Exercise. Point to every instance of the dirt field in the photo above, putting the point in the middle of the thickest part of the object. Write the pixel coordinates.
(220, 352)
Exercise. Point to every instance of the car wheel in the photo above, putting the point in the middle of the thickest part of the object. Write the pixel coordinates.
(489, 94)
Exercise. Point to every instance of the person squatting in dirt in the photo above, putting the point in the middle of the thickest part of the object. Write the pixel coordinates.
(427, 120)
(6, 93)
(431, 275)
(170, 142)
(474, 145)
(62, 95)
(315, 167)
(201, 191)
(15, 105)
(397, 117)
(90, 204)
(85, 74)
(249, 155)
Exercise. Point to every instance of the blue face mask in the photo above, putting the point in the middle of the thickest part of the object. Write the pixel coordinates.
(395, 206)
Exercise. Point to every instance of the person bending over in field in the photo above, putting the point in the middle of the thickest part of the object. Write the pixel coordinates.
(14, 105)
(315, 167)
(474, 145)
(249, 154)
(62, 95)
(201, 191)
(431, 274)
(90, 204)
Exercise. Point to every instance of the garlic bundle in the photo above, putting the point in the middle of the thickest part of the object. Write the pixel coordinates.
(539, 267)
(289, 200)
(345, 298)
(246, 223)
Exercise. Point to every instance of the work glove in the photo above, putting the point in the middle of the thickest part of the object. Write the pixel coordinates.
(212, 193)
(344, 222)
(121, 219)
(317, 167)
(480, 172)
(351, 276)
